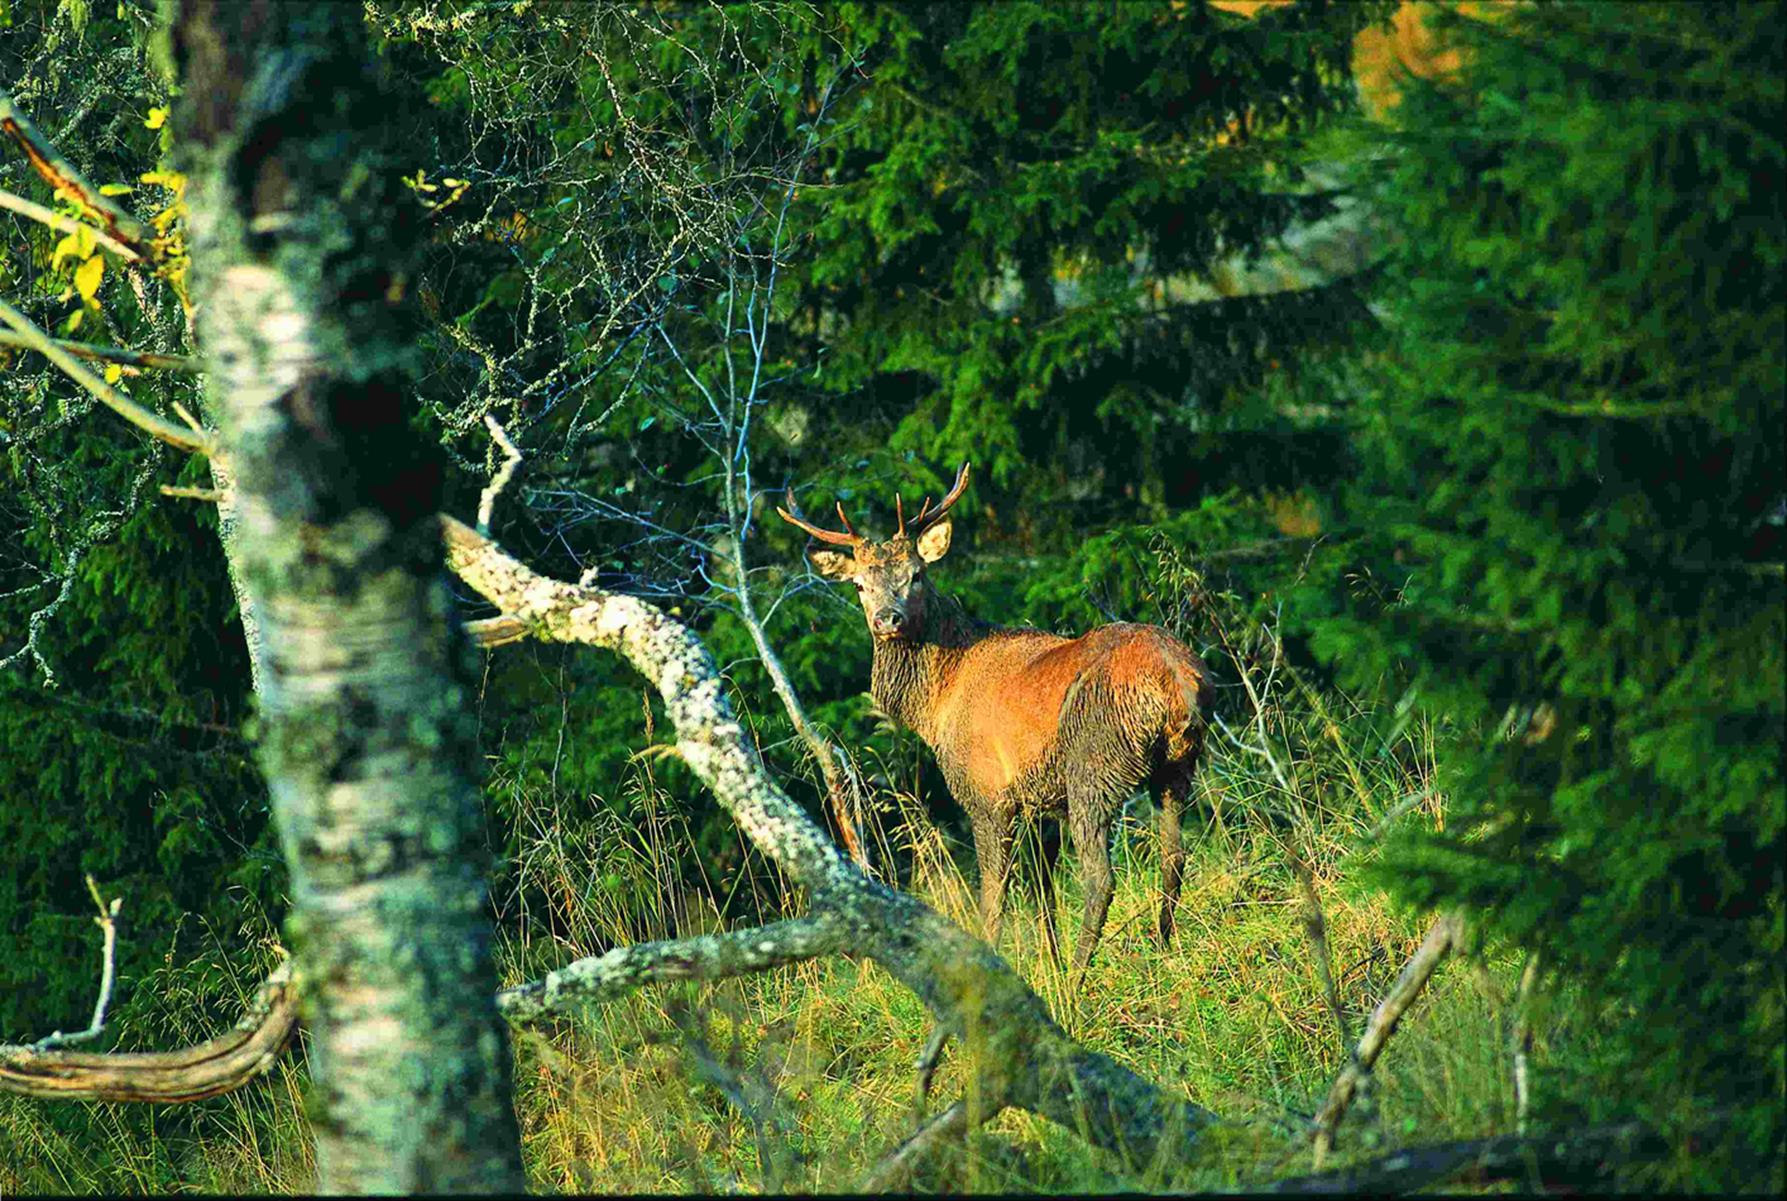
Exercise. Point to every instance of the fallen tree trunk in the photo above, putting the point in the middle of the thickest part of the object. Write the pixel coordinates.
(1579, 1159)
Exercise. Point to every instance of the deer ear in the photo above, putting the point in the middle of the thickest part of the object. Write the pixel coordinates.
(833, 565)
(933, 544)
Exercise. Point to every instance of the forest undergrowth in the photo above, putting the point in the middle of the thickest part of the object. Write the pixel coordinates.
(800, 1079)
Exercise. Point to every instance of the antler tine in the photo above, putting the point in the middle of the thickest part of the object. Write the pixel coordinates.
(850, 539)
(899, 515)
(929, 516)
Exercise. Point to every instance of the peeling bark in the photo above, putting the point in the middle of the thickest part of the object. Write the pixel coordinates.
(300, 236)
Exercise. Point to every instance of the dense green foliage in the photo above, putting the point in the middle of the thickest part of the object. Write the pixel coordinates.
(128, 762)
(1571, 471)
(1010, 223)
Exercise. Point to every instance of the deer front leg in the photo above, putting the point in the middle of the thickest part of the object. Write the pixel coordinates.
(992, 851)
(1091, 831)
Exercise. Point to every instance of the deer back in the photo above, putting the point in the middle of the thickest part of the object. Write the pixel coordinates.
(1022, 708)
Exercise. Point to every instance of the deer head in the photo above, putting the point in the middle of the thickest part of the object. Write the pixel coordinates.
(889, 575)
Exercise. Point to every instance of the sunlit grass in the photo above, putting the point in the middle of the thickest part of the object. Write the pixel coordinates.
(1232, 1015)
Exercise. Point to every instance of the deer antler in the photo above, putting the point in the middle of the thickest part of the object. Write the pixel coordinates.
(848, 538)
(927, 516)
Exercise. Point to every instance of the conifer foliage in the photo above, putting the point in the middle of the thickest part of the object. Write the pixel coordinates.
(1571, 471)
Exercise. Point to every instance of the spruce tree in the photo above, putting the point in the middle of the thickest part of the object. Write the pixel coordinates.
(1570, 468)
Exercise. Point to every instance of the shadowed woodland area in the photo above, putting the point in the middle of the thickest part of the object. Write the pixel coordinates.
(431, 764)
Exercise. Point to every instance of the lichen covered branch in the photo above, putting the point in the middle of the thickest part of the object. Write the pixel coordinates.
(1018, 1055)
(707, 957)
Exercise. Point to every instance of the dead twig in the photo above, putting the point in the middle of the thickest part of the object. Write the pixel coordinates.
(208, 495)
(897, 1166)
(108, 923)
(1522, 1037)
(1442, 937)
(504, 473)
(927, 1068)
(191, 1074)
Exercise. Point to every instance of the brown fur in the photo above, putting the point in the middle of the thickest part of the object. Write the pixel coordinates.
(1028, 723)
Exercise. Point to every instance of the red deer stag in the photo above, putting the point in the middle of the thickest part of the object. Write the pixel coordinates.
(1023, 722)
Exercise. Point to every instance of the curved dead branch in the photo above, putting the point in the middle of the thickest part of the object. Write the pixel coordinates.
(1019, 1055)
(191, 1074)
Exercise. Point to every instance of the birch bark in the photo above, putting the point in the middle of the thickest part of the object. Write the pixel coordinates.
(300, 238)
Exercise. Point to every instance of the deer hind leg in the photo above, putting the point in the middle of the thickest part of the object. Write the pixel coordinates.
(1090, 825)
(1170, 794)
(1048, 835)
(992, 852)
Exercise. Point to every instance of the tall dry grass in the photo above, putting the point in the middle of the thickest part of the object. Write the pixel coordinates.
(801, 1078)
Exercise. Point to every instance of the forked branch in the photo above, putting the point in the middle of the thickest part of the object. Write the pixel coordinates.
(216, 1066)
(182, 436)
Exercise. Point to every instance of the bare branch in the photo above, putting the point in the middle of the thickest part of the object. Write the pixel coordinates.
(143, 419)
(191, 1074)
(1442, 937)
(1522, 1037)
(927, 1068)
(1315, 928)
(208, 495)
(61, 175)
(499, 481)
(130, 360)
(896, 1168)
(107, 922)
(708, 957)
(66, 224)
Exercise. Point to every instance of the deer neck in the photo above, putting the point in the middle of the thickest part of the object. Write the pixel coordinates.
(908, 678)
